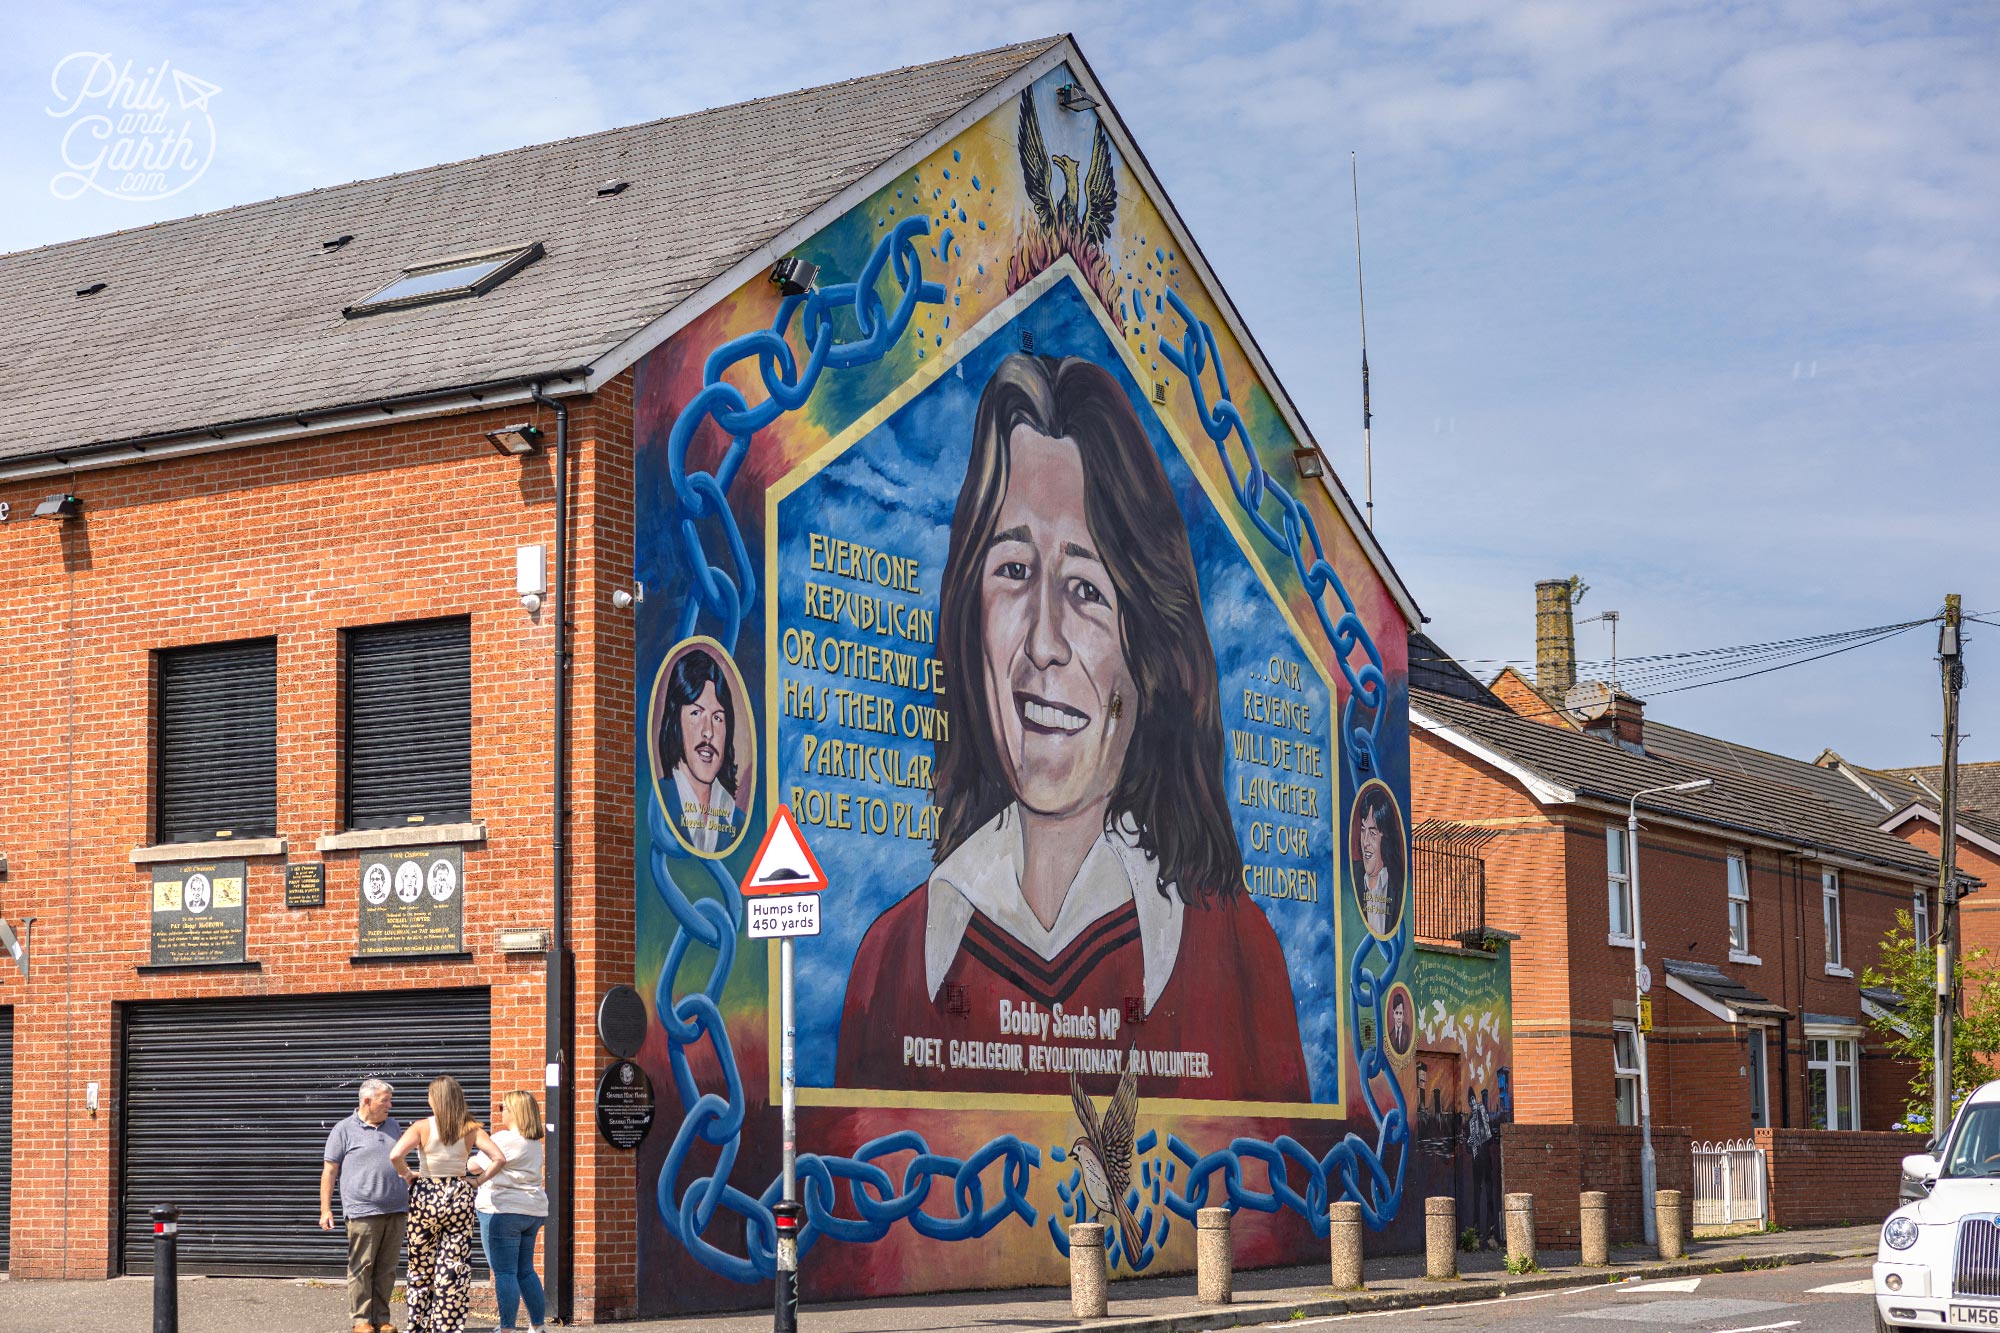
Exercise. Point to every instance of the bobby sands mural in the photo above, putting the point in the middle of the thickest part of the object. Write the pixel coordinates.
(1086, 869)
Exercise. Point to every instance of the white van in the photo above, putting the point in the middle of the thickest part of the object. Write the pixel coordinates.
(1938, 1262)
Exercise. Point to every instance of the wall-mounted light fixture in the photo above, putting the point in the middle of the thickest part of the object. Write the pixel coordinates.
(1309, 463)
(17, 946)
(522, 940)
(625, 598)
(516, 441)
(531, 576)
(794, 276)
(1071, 97)
(59, 507)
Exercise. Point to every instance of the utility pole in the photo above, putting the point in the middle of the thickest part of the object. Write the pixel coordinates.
(1951, 668)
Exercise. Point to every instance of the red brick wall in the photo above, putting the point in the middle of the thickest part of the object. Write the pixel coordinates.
(300, 540)
(1556, 1163)
(1824, 1178)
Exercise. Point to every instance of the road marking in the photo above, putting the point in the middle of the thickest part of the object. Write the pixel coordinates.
(1679, 1284)
(1761, 1328)
(1864, 1287)
(1414, 1309)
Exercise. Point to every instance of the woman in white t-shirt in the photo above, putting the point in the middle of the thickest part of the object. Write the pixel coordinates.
(512, 1206)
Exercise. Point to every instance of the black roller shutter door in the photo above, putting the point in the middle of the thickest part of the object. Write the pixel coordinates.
(218, 742)
(228, 1104)
(6, 1129)
(409, 724)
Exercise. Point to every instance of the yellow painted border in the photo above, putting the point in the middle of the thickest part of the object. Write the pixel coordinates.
(926, 374)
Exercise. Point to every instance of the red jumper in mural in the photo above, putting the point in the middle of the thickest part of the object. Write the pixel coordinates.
(1087, 883)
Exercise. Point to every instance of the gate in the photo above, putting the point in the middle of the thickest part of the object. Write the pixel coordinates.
(1729, 1184)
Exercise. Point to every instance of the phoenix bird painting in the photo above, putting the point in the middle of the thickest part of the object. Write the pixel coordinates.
(1103, 1152)
(1076, 223)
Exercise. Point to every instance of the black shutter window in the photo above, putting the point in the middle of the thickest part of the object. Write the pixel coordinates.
(218, 742)
(409, 724)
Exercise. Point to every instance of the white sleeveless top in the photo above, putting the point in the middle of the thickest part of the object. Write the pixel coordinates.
(444, 1160)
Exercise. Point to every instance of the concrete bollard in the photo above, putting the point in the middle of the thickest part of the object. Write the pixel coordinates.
(1089, 1282)
(1214, 1261)
(1594, 1208)
(1344, 1224)
(1440, 1237)
(1667, 1216)
(1520, 1209)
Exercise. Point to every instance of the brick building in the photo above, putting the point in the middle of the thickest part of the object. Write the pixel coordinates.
(330, 500)
(1761, 901)
(273, 619)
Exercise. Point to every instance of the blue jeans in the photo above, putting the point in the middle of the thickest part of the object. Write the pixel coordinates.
(509, 1239)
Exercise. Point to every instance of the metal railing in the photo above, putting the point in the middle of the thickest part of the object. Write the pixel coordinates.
(1451, 894)
(1729, 1184)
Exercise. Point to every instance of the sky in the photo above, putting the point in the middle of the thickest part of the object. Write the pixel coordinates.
(1690, 299)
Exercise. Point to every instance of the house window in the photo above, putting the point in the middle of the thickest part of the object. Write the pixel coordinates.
(1625, 1071)
(1620, 877)
(1739, 905)
(1829, 906)
(1833, 1086)
(409, 724)
(218, 742)
(1920, 917)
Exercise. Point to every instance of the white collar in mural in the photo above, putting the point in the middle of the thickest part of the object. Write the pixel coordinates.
(984, 875)
(710, 823)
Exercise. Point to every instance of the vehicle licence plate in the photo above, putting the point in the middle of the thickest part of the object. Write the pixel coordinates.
(1975, 1316)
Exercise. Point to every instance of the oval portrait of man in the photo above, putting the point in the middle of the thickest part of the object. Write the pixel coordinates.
(1376, 850)
(703, 746)
(1399, 1023)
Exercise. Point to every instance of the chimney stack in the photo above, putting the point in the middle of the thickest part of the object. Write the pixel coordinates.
(1623, 723)
(1555, 637)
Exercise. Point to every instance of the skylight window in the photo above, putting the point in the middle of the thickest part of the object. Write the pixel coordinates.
(448, 279)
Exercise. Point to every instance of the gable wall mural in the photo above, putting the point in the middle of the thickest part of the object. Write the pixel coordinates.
(988, 557)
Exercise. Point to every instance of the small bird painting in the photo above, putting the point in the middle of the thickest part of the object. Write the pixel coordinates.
(1103, 1152)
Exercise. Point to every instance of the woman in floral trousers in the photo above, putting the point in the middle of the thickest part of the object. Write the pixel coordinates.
(442, 1226)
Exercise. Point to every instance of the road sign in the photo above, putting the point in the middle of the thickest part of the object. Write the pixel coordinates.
(773, 916)
(784, 864)
(1645, 1013)
(1645, 979)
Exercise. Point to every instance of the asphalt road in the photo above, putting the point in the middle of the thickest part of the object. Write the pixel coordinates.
(1780, 1300)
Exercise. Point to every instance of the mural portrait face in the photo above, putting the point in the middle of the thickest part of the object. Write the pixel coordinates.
(1056, 680)
(1399, 1023)
(1375, 833)
(700, 748)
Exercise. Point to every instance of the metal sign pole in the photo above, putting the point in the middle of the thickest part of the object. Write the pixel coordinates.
(788, 1212)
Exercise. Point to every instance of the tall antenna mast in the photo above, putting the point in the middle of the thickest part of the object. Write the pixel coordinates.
(1367, 417)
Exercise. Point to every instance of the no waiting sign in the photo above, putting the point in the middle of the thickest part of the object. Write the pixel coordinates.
(790, 914)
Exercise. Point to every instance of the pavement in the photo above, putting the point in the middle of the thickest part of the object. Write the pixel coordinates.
(1138, 1305)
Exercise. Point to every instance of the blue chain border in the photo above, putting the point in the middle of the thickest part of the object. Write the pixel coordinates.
(727, 596)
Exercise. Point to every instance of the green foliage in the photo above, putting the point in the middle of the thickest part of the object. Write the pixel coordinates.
(1909, 968)
(1522, 1264)
(1468, 1239)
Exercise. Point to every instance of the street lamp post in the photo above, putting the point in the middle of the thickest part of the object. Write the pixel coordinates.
(1648, 1175)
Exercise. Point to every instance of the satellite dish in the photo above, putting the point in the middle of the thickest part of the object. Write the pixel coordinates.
(1588, 699)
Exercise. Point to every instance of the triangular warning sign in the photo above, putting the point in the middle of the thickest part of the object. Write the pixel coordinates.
(784, 864)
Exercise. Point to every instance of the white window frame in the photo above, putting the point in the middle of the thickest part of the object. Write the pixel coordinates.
(1831, 1066)
(1739, 910)
(1624, 1076)
(1618, 884)
(1829, 915)
(1920, 917)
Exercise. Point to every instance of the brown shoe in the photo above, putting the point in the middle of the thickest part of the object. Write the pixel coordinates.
(360, 1327)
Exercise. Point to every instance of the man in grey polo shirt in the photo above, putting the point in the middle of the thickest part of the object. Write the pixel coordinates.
(374, 1200)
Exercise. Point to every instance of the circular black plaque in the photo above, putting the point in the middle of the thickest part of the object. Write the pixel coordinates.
(621, 1022)
(624, 1105)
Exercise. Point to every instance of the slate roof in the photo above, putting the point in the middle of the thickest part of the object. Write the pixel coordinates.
(1724, 989)
(236, 315)
(1432, 668)
(1978, 786)
(1741, 800)
(1825, 784)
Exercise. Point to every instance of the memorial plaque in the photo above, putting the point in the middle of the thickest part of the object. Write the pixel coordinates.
(305, 884)
(412, 901)
(621, 1022)
(197, 914)
(624, 1105)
